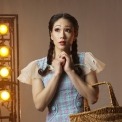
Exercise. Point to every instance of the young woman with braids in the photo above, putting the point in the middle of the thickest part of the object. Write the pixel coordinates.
(61, 80)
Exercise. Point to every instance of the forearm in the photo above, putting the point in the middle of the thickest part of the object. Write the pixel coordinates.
(43, 97)
(84, 88)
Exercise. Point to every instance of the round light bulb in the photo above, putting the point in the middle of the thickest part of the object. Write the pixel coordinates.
(3, 29)
(4, 72)
(4, 51)
(5, 95)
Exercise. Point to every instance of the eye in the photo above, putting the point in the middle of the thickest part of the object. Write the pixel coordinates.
(68, 30)
(56, 29)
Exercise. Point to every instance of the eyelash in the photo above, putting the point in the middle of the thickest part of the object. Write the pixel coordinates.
(66, 30)
(57, 29)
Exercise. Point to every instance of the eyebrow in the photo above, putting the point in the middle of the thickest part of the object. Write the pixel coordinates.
(65, 26)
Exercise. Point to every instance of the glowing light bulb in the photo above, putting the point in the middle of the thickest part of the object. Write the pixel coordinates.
(5, 95)
(4, 51)
(4, 72)
(3, 29)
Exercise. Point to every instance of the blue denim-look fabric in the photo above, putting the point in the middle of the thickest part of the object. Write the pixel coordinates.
(66, 100)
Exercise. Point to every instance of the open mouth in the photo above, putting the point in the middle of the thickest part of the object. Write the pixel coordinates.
(62, 43)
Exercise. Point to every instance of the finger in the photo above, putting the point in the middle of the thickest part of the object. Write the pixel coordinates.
(65, 56)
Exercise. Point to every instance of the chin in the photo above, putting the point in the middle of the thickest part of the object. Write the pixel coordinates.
(63, 48)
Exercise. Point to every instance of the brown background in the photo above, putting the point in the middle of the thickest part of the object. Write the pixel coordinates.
(100, 32)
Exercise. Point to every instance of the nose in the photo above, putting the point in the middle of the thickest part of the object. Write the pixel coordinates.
(62, 34)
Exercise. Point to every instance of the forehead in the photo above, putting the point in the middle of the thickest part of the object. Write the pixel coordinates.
(63, 22)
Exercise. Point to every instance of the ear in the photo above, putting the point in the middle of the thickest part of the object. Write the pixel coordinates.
(51, 36)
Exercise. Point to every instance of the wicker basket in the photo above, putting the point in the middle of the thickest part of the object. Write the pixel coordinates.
(112, 113)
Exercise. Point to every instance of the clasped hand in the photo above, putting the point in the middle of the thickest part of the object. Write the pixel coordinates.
(62, 63)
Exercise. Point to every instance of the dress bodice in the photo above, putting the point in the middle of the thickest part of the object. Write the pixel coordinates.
(66, 100)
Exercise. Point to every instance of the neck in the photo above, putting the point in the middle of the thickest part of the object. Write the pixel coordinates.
(57, 52)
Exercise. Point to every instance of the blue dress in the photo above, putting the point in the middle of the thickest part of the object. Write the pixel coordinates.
(67, 100)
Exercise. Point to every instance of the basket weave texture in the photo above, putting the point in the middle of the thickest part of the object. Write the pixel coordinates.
(112, 113)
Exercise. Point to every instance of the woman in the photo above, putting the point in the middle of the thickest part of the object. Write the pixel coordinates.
(61, 80)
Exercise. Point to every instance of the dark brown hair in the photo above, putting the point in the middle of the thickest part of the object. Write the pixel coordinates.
(74, 54)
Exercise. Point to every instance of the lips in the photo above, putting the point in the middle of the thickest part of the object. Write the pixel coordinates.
(62, 43)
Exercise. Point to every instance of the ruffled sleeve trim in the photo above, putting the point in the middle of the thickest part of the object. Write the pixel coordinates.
(92, 63)
(29, 73)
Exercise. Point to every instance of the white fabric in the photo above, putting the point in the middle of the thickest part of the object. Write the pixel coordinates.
(92, 63)
(31, 70)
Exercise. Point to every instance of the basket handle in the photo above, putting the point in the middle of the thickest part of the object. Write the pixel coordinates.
(111, 94)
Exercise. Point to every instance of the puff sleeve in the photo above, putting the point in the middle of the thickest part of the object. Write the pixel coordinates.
(29, 73)
(92, 63)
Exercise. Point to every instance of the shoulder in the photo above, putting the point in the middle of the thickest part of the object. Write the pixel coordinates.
(42, 63)
(86, 55)
(37, 63)
(34, 63)
(90, 62)
(30, 72)
(83, 56)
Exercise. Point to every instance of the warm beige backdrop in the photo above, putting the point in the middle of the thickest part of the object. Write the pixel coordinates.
(100, 33)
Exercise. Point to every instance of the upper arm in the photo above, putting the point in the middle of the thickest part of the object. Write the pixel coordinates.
(91, 78)
(37, 87)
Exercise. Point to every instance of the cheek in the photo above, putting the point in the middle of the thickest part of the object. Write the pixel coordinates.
(71, 39)
(54, 37)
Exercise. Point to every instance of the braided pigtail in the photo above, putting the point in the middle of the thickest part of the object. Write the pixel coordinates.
(75, 58)
(49, 60)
